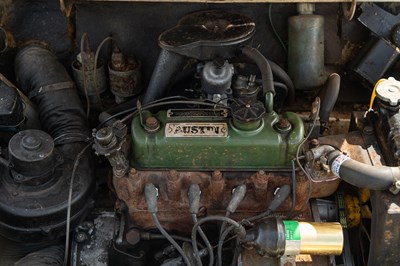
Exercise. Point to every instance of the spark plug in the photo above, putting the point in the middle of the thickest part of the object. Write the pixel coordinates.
(151, 194)
(237, 196)
(280, 196)
(194, 205)
(194, 198)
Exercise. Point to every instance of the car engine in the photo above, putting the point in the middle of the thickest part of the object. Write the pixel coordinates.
(199, 134)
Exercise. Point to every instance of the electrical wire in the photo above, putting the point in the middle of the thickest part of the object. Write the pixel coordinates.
(148, 106)
(318, 101)
(176, 237)
(96, 56)
(221, 243)
(274, 30)
(71, 185)
(227, 214)
(133, 110)
(170, 239)
(293, 190)
(208, 219)
(83, 39)
(278, 199)
(206, 242)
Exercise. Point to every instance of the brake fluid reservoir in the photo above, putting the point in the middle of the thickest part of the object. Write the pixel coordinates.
(306, 48)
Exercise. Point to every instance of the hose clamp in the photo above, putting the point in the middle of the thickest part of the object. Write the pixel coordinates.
(51, 87)
(337, 163)
(395, 188)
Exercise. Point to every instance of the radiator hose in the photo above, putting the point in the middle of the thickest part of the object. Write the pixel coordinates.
(356, 173)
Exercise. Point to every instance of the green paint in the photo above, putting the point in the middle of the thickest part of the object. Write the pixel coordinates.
(263, 147)
(292, 230)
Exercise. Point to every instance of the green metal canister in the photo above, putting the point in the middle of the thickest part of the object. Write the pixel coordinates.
(306, 48)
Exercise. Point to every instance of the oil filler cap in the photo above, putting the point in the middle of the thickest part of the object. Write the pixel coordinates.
(389, 91)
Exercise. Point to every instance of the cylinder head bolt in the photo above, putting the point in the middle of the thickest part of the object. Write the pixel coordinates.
(32, 157)
(152, 125)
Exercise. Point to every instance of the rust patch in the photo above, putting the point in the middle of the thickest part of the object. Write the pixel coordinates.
(349, 51)
(216, 188)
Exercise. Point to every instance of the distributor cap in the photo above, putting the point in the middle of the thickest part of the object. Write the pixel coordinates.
(205, 35)
(389, 91)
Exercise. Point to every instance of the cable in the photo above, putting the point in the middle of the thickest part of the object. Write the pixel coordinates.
(237, 226)
(279, 197)
(83, 38)
(208, 244)
(274, 30)
(148, 106)
(71, 185)
(176, 237)
(221, 243)
(96, 56)
(151, 195)
(293, 190)
(221, 230)
(170, 239)
(128, 110)
(156, 104)
(318, 101)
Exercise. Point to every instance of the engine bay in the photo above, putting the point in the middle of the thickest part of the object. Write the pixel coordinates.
(199, 133)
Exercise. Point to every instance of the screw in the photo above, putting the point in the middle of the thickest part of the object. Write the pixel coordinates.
(283, 125)
(152, 124)
(133, 236)
(104, 136)
(81, 237)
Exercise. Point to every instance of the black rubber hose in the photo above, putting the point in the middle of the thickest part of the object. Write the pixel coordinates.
(167, 66)
(266, 73)
(61, 114)
(329, 97)
(363, 175)
(281, 75)
(45, 80)
(53, 255)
